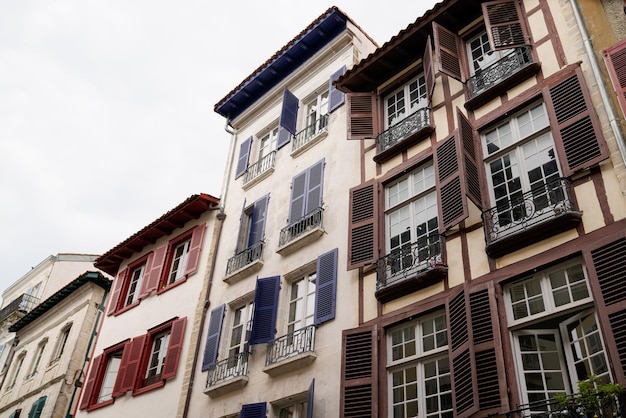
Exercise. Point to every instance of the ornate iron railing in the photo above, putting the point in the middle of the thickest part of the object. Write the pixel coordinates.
(499, 70)
(297, 342)
(526, 210)
(245, 257)
(574, 406)
(413, 123)
(260, 167)
(228, 369)
(24, 303)
(409, 260)
(301, 226)
(303, 137)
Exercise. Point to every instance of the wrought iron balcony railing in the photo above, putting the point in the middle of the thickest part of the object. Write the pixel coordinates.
(413, 123)
(260, 167)
(575, 406)
(227, 369)
(303, 137)
(297, 342)
(245, 257)
(524, 211)
(24, 303)
(500, 70)
(301, 226)
(410, 260)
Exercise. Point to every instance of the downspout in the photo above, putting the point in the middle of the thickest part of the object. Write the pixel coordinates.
(597, 74)
(205, 308)
(77, 382)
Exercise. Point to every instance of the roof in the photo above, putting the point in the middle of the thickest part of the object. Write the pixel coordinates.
(191, 208)
(88, 277)
(311, 40)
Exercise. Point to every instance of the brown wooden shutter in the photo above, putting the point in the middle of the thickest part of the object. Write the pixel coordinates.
(429, 70)
(129, 365)
(153, 275)
(447, 51)
(505, 24)
(615, 60)
(90, 383)
(174, 348)
(576, 129)
(359, 372)
(195, 246)
(451, 182)
(118, 284)
(362, 117)
(470, 160)
(363, 238)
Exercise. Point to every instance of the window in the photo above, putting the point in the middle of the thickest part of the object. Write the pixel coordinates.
(134, 282)
(156, 359)
(316, 110)
(113, 361)
(480, 53)
(266, 156)
(301, 303)
(16, 370)
(60, 344)
(419, 369)
(37, 359)
(405, 101)
(296, 410)
(239, 332)
(251, 234)
(30, 298)
(267, 143)
(306, 192)
(105, 378)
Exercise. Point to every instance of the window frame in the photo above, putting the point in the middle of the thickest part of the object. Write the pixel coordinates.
(16, 370)
(61, 342)
(405, 89)
(35, 366)
(165, 282)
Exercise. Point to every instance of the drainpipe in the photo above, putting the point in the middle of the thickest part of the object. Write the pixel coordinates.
(597, 74)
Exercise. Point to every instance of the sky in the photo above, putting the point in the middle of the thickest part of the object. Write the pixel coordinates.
(106, 108)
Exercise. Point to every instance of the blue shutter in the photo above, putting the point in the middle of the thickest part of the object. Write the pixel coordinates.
(253, 410)
(314, 187)
(213, 337)
(298, 196)
(335, 97)
(310, 397)
(326, 287)
(244, 154)
(257, 226)
(265, 308)
(288, 119)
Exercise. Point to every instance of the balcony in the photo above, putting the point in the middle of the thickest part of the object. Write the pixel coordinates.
(310, 136)
(290, 352)
(495, 79)
(530, 217)
(259, 170)
(227, 375)
(22, 305)
(244, 263)
(594, 405)
(410, 268)
(300, 233)
(403, 134)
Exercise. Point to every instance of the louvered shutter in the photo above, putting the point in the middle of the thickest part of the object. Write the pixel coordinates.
(90, 383)
(472, 179)
(174, 348)
(288, 119)
(326, 287)
(429, 70)
(118, 284)
(117, 386)
(447, 51)
(244, 155)
(315, 177)
(335, 96)
(195, 246)
(253, 410)
(298, 196)
(359, 372)
(505, 24)
(16, 413)
(37, 408)
(152, 274)
(363, 225)
(265, 308)
(362, 118)
(576, 128)
(129, 365)
(259, 213)
(310, 399)
(213, 337)
(451, 182)
(615, 60)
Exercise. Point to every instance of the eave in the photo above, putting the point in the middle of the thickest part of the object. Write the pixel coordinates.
(192, 208)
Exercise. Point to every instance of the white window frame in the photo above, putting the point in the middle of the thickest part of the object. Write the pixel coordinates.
(301, 309)
(316, 106)
(235, 348)
(135, 278)
(267, 142)
(180, 253)
(59, 348)
(38, 355)
(487, 57)
(156, 360)
(114, 360)
(410, 104)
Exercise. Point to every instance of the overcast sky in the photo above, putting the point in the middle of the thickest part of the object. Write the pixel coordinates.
(106, 108)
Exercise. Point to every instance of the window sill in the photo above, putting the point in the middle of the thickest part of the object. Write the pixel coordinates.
(303, 240)
(412, 283)
(127, 308)
(290, 363)
(100, 405)
(148, 388)
(171, 286)
(226, 387)
(245, 271)
(312, 142)
(258, 178)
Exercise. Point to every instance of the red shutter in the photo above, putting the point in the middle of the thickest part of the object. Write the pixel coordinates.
(174, 348)
(505, 24)
(615, 60)
(576, 129)
(87, 391)
(363, 238)
(152, 277)
(117, 391)
(195, 246)
(447, 51)
(429, 70)
(451, 179)
(362, 117)
(359, 372)
(129, 366)
(118, 284)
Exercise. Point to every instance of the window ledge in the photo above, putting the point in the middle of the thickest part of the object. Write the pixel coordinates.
(148, 388)
(317, 138)
(100, 404)
(303, 240)
(290, 363)
(246, 270)
(171, 286)
(412, 283)
(127, 307)
(226, 387)
(258, 178)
